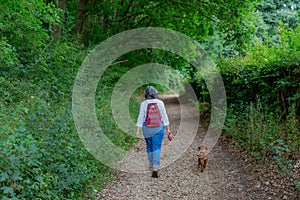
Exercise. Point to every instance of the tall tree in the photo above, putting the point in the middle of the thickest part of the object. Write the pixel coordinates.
(274, 12)
(81, 16)
(62, 4)
(194, 18)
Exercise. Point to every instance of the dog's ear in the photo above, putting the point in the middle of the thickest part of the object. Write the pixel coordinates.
(199, 147)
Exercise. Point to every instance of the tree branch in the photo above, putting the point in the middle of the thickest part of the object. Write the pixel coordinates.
(139, 22)
(127, 9)
(137, 13)
(119, 9)
(121, 61)
(195, 8)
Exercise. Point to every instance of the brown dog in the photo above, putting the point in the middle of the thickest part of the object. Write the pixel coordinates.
(202, 157)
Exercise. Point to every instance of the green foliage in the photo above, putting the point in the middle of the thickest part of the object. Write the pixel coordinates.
(274, 12)
(32, 22)
(224, 25)
(270, 74)
(8, 56)
(104, 110)
(297, 184)
(44, 157)
(262, 90)
(56, 68)
(263, 135)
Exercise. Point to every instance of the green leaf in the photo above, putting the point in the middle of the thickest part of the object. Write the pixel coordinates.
(16, 176)
(3, 176)
(8, 190)
(39, 178)
(22, 129)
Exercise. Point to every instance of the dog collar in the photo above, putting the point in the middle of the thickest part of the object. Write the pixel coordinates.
(201, 151)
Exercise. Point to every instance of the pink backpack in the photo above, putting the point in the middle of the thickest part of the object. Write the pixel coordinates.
(153, 117)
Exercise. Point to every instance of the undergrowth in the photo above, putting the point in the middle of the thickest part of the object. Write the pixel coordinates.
(41, 154)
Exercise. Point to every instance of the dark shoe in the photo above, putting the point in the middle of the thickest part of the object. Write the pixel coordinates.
(155, 174)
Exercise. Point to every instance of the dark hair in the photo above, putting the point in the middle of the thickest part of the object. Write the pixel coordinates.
(151, 93)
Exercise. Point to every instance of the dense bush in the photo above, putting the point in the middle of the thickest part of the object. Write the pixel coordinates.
(265, 135)
(41, 155)
(263, 95)
(268, 73)
(44, 157)
(26, 26)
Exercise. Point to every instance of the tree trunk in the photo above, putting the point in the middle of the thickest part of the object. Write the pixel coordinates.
(62, 4)
(81, 16)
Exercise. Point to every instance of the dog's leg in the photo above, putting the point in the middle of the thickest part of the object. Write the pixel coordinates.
(202, 165)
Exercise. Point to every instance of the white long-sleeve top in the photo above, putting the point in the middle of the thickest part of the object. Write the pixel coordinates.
(143, 112)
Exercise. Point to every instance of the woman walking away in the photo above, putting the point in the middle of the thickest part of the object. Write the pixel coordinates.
(153, 119)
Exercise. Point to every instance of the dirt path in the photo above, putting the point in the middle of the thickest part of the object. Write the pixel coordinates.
(223, 178)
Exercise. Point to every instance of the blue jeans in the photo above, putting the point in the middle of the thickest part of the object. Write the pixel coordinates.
(154, 137)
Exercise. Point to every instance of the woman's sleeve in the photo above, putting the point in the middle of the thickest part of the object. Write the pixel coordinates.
(141, 116)
(164, 115)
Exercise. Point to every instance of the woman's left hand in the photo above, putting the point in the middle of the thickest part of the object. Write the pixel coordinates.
(138, 135)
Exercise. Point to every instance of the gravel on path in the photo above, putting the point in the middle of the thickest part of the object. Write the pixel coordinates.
(224, 177)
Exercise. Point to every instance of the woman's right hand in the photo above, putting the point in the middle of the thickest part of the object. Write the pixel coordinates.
(168, 130)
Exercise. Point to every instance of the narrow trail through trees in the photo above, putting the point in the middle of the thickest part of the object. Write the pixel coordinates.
(223, 178)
